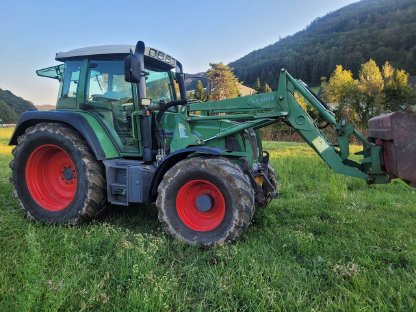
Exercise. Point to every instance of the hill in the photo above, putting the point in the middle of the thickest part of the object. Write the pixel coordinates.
(192, 79)
(16, 106)
(190, 85)
(244, 90)
(45, 107)
(384, 30)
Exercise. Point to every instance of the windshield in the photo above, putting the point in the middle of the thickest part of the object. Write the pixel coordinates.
(160, 86)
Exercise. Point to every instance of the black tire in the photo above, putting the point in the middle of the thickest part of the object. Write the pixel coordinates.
(80, 197)
(269, 194)
(225, 176)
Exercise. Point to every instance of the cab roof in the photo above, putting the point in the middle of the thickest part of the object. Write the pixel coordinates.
(114, 50)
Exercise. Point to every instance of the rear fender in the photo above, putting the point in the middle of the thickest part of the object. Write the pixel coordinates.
(102, 146)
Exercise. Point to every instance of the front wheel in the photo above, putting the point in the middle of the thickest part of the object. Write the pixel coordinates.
(56, 177)
(205, 201)
(270, 193)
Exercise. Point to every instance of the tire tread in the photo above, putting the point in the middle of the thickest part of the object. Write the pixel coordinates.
(235, 178)
(95, 201)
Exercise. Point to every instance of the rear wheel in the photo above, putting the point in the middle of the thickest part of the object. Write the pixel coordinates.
(55, 175)
(205, 201)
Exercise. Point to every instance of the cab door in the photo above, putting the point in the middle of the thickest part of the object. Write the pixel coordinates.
(112, 100)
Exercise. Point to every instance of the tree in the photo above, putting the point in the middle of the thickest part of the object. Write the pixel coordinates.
(266, 88)
(376, 91)
(370, 86)
(387, 71)
(300, 99)
(199, 93)
(257, 85)
(224, 83)
(7, 115)
(341, 89)
(398, 94)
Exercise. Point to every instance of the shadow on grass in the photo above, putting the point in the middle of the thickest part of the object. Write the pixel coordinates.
(135, 217)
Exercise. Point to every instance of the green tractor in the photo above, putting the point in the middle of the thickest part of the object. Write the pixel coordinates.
(124, 132)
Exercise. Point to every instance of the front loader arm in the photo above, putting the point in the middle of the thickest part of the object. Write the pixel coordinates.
(261, 110)
(336, 156)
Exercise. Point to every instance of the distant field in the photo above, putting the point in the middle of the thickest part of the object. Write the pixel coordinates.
(328, 243)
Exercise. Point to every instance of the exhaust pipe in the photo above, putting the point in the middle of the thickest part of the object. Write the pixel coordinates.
(396, 133)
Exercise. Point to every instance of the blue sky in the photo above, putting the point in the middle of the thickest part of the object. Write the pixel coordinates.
(195, 32)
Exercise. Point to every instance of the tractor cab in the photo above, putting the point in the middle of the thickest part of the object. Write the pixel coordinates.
(93, 80)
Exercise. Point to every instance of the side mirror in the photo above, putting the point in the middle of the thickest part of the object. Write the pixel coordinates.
(134, 64)
(132, 68)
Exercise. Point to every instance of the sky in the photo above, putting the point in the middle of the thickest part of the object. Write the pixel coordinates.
(195, 32)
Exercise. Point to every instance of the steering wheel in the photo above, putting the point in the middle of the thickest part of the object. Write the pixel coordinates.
(100, 98)
(94, 107)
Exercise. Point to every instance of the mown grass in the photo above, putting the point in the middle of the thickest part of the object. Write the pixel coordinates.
(328, 243)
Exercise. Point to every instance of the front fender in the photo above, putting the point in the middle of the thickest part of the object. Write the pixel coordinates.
(177, 156)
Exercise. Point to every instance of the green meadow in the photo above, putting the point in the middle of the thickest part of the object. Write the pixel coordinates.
(328, 243)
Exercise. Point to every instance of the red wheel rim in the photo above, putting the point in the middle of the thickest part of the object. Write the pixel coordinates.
(51, 177)
(189, 211)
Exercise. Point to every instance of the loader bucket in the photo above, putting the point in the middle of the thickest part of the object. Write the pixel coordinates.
(396, 133)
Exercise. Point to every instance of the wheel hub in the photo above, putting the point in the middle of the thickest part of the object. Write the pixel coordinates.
(200, 205)
(204, 202)
(68, 173)
(51, 177)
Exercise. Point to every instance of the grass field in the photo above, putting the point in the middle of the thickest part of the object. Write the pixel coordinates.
(328, 243)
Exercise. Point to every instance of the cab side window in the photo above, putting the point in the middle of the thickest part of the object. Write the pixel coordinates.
(70, 81)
